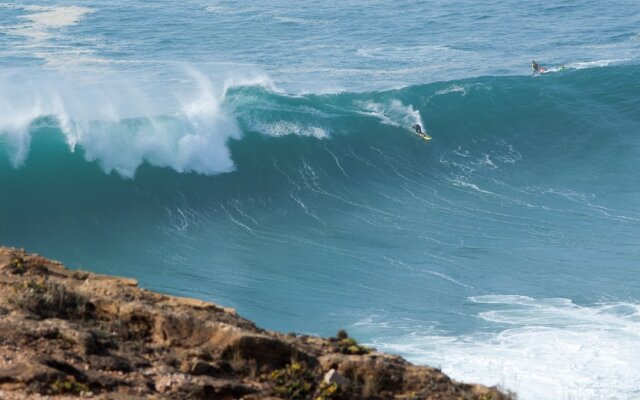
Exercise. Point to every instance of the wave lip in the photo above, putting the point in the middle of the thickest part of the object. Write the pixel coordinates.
(118, 125)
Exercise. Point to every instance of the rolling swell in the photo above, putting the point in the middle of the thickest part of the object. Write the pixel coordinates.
(503, 225)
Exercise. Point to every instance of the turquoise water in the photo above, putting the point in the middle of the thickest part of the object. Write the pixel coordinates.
(259, 156)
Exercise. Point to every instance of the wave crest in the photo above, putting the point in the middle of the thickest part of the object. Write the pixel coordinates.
(118, 124)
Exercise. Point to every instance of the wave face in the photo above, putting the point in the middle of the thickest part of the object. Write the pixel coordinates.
(507, 243)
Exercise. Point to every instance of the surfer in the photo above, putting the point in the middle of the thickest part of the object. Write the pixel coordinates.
(536, 68)
(418, 129)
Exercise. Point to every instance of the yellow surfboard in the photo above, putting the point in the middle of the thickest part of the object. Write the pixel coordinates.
(423, 135)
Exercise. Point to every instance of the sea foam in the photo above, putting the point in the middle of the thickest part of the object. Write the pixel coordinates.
(543, 348)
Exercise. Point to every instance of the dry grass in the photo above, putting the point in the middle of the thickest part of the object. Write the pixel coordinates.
(49, 300)
(237, 362)
(372, 384)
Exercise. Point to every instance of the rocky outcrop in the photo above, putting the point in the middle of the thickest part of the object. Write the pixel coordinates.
(70, 333)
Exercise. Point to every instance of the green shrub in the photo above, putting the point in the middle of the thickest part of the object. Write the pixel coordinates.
(347, 345)
(350, 346)
(68, 386)
(294, 381)
(328, 391)
(17, 265)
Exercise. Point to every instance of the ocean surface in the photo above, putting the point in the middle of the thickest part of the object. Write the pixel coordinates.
(259, 155)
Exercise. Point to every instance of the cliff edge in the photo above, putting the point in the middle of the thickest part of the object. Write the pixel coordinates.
(69, 334)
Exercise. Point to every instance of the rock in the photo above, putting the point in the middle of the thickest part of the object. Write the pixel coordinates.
(184, 386)
(167, 383)
(110, 363)
(61, 366)
(200, 368)
(180, 330)
(222, 388)
(29, 372)
(265, 350)
(96, 342)
(334, 377)
(15, 333)
(106, 336)
(105, 381)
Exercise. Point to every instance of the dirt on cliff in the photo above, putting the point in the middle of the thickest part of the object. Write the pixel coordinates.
(67, 334)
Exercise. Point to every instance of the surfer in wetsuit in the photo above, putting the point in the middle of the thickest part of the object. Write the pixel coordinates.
(535, 66)
(418, 129)
(537, 69)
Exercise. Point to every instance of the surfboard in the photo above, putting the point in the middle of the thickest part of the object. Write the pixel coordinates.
(423, 136)
(551, 69)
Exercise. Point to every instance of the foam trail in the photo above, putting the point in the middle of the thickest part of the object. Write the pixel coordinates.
(596, 63)
(392, 113)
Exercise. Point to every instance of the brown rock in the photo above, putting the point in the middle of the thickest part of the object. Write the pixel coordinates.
(110, 363)
(180, 330)
(106, 336)
(28, 372)
(197, 367)
(265, 350)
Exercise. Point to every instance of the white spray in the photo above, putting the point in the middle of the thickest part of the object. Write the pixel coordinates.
(121, 123)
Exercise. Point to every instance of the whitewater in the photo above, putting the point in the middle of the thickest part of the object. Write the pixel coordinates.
(259, 156)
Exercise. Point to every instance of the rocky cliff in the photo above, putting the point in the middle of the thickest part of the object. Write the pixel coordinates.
(67, 333)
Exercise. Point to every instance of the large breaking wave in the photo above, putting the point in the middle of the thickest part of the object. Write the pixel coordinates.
(287, 206)
(122, 124)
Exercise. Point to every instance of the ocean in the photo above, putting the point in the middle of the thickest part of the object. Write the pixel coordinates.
(259, 155)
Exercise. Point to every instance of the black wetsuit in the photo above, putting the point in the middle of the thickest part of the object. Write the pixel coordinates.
(417, 128)
(536, 67)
